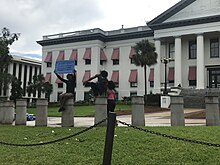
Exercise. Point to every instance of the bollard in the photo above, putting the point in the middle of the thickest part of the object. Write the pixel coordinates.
(1, 112)
(67, 119)
(101, 110)
(8, 112)
(109, 138)
(177, 111)
(212, 111)
(137, 117)
(21, 110)
(41, 113)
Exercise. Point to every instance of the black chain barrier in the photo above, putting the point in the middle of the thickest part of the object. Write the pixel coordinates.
(53, 141)
(169, 136)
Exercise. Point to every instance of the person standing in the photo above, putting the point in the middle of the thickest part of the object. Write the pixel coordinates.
(70, 89)
(111, 97)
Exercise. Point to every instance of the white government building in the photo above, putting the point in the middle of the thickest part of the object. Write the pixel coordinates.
(188, 32)
(24, 69)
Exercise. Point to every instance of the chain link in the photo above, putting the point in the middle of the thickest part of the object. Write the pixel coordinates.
(169, 136)
(53, 141)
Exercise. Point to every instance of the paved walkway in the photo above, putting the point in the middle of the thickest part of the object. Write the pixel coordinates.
(151, 119)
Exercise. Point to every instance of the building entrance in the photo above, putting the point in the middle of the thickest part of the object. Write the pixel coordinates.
(214, 78)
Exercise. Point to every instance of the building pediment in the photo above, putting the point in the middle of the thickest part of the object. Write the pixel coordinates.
(188, 12)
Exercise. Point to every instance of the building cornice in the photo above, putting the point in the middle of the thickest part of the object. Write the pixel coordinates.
(97, 36)
(187, 22)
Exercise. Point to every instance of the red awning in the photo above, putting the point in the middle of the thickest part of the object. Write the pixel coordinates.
(58, 80)
(102, 55)
(133, 76)
(171, 74)
(87, 54)
(48, 57)
(115, 76)
(60, 56)
(115, 54)
(151, 75)
(48, 77)
(132, 52)
(86, 75)
(192, 73)
(74, 55)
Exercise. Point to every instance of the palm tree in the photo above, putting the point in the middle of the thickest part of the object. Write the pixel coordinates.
(145, 56)
(16, 90)
(39, 86)
(6, 39)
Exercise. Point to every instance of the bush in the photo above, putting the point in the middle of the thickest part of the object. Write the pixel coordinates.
(153, 99)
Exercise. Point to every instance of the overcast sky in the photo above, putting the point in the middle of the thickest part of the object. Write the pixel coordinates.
(35, 18)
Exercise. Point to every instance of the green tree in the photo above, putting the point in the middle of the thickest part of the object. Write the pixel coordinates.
(16, 90)
(6, 39)
(39, 86)
(145, 56)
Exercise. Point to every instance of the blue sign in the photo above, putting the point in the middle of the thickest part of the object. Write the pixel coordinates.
(65, 66)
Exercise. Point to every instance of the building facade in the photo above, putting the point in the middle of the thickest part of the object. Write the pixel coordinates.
(187, 35)
(24, 69)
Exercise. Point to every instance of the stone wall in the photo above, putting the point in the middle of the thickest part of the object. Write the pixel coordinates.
(195, 98)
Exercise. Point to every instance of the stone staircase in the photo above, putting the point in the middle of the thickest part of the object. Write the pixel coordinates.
(195, 98)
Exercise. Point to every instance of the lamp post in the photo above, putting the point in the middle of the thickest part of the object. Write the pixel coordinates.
(165, 60)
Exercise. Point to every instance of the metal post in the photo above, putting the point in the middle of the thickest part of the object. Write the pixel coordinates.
(109, 138)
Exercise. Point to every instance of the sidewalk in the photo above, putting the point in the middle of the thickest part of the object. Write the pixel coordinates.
(151, 119)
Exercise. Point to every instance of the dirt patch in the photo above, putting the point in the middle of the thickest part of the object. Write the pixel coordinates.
(153, 109)
(148, 109)
(195, 115)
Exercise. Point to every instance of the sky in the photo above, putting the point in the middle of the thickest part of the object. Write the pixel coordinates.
(35, 18)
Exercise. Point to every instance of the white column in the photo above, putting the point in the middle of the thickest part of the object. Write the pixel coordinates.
(178, 63)
(27, 80)
(200, 69)
(17, 70)
(157, 67)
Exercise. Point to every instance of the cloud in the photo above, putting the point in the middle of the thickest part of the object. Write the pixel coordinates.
(36, 18)
(33, 19)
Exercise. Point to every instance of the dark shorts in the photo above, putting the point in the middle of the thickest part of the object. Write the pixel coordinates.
(110, 106)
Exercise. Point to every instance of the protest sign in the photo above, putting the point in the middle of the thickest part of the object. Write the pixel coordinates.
(65, 66)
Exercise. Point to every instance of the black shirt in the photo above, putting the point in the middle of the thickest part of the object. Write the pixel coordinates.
(70, 84)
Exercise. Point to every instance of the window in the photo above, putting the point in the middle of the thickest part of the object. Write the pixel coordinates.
(103, 57)
(115, 78)
(214, 48)
(115, 56)
(192, 76)
(60, 85)
(133, 78)
(49, 64)
(87, 56)
(86, 76)
(171, 50)
(192, 49)
(132, 61)
(115, 62)
(171, 76)
(132, 53)
(61, 56)
(87, 62)
(133, 94)
(151, 77)
(74, 56)
(48, 60)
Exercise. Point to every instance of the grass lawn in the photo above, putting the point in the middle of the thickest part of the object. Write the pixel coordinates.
(88, 110)
(131, 147)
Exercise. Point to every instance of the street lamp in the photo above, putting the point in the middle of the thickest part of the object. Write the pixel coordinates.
(166, 60)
